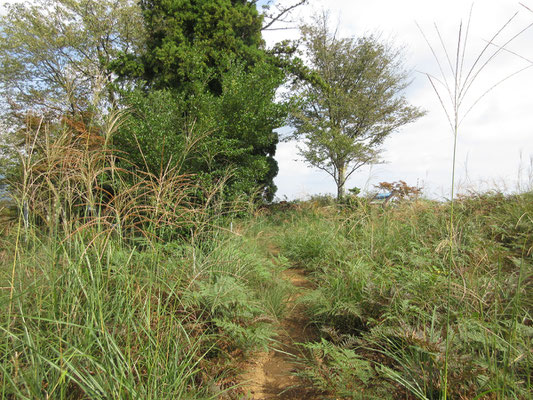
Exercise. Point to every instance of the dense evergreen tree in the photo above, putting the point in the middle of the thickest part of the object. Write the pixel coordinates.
(206, 59)
(189, 40)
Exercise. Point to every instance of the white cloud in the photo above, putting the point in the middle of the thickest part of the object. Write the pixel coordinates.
(492, 138)
(4, 3)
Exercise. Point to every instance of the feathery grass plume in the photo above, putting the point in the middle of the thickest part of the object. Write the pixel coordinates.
(453, 87)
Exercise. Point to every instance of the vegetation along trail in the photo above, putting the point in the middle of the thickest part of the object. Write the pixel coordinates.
(271, 375)
(370, 286)
(134, 137)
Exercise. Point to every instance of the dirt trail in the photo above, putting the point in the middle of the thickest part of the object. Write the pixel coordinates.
(271, 375)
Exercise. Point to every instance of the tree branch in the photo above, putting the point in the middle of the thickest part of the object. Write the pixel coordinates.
(281, 13)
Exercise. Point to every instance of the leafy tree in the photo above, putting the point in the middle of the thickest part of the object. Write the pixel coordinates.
(54, 53)
(188, 40)
(211, 135)
(205, 84)
(249, 115)
(209, 56)
(353, 103)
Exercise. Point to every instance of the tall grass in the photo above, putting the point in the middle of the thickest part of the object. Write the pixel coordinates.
(453, 88)
(121, 283)
(383, 281)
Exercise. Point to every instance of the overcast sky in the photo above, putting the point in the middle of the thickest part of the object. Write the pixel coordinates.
(495, 141)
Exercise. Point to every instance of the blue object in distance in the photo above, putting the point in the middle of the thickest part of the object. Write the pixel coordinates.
(383, 196)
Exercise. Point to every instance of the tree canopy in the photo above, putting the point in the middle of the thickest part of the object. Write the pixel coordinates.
(206, 61)
(194, 75)
(209, 135)
(54, 54)
(191, 40)
(352, 105)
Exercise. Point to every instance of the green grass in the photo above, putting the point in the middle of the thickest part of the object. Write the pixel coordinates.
(139, 292)
(382, 285)
(90, 311)
(113, 321)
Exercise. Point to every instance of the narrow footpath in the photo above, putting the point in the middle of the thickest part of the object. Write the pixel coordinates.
(271, 375)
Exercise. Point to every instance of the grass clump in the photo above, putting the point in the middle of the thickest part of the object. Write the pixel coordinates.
(124, 284)
(125, 323)
(381, 277)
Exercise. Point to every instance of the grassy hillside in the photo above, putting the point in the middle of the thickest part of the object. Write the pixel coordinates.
(94, 314)
(383, 300)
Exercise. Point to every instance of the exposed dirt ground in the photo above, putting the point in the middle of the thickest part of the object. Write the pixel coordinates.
(271, 375)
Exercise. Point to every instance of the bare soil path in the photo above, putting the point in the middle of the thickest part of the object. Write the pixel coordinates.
(271, 375)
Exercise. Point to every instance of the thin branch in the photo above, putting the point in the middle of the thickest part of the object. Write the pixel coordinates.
(332, 174)
(445, 49)
(457, 73)
(432, 77)
(513, 53)
(461, 69)
(441, 102)
(281, 14)
(526, 7)
(356, 167)
(444, 81)
(470, 80)
(280, 29)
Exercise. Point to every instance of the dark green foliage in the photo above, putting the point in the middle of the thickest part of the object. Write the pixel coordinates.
(204, 97)
(160, 133)
(190, 39)
(193, 42)
(213, 136)
(249, 116)
(205, 69)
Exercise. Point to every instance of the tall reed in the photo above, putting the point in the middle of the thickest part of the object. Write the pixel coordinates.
(452, 88)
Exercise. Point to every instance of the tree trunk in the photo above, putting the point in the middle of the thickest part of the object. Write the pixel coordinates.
(341, 182)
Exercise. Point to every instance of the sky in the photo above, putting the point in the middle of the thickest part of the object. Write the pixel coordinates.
(495, 140)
